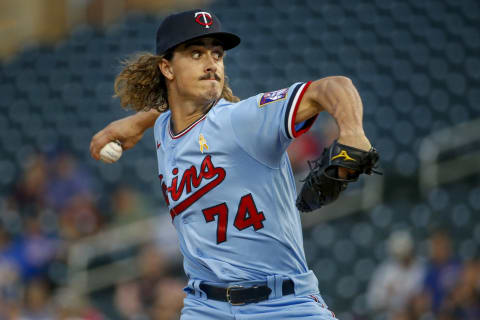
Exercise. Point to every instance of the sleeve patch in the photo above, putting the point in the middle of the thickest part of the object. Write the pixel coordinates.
(273, 96)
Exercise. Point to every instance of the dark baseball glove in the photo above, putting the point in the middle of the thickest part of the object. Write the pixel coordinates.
(323, 184)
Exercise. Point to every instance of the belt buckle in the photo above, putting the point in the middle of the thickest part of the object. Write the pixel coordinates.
(229, 289)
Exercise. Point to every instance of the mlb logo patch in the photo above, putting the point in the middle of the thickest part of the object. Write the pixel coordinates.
(273, 96)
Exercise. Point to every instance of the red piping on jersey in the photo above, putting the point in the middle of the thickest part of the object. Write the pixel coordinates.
(309, 122)
(186, 130)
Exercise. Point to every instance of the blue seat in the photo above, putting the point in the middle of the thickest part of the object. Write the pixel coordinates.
(8, 171)
(8, 92)
(418, 25)
(400, 11)
(402, 69)
(436, 11)
(439, 199)
(384, 55)
(422, 117)
(364, 12)
(457, 84)
(420, 85)
(419, 53)
(454, 23)
(384, 85)
(473, 95)
(403, 101)
(347, 287)
(11, 139)
(365, 40)
(384, 26)
(474, 198)
(438, 68)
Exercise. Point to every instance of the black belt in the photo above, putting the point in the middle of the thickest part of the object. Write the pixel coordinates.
(238, 295)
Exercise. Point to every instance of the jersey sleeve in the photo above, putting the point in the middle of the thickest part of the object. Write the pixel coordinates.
(264, 125)
(159, 136)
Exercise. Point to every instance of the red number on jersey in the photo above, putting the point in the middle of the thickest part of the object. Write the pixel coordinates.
(248, 215)
(220, 210)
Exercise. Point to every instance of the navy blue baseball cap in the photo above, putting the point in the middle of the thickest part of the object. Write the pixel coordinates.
(184, 26)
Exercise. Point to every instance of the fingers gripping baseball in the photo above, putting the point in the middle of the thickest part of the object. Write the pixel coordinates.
(99, 140)
(111, 152)
(122, 131)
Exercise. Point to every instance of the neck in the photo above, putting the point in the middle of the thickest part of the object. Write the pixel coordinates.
(186, 112)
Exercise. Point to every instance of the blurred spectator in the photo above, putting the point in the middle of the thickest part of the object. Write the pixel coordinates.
(169, 300)
(37, 303)
(66, 181)
(442, 275)
(463, 302)
(396, 281)
(128, 301)
(72, 306)
(29, 193)
(31, 253)
(79, 217)
(443, 271)
(153, 265)
(35, 250)
(10, 278)
(11, 219)
(127, 206)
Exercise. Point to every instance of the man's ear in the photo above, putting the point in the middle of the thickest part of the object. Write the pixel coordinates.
(166, 69)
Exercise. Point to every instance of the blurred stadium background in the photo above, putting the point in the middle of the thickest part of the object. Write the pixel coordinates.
(86, 240)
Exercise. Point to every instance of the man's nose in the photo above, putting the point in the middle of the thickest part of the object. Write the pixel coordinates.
(211, 65)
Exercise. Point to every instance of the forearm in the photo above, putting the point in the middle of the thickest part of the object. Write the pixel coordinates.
(144, 120)
(128, 131)
(339, 97)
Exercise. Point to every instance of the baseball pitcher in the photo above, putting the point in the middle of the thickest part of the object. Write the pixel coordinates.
(224, 171)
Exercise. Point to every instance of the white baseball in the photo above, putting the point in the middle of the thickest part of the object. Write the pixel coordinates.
(111, 152)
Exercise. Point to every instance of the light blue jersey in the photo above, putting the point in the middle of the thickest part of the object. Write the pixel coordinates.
(229, 186)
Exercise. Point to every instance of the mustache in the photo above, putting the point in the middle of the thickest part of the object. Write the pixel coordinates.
(210, 75)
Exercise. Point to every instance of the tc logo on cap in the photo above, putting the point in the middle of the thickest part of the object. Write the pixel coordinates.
(204, 19)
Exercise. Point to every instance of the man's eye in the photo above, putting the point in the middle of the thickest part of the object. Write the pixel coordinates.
(217, 54)
(196, 54)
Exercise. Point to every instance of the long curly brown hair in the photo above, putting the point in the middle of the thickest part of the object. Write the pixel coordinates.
(141, 86)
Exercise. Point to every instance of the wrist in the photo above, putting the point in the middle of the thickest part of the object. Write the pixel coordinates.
(144, 120)
(347, 133)
(356, 139)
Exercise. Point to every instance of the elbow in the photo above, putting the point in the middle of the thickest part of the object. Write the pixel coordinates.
(333, 87)
(336, 93)
(341, 81)
(340, 88)
(322, 86)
